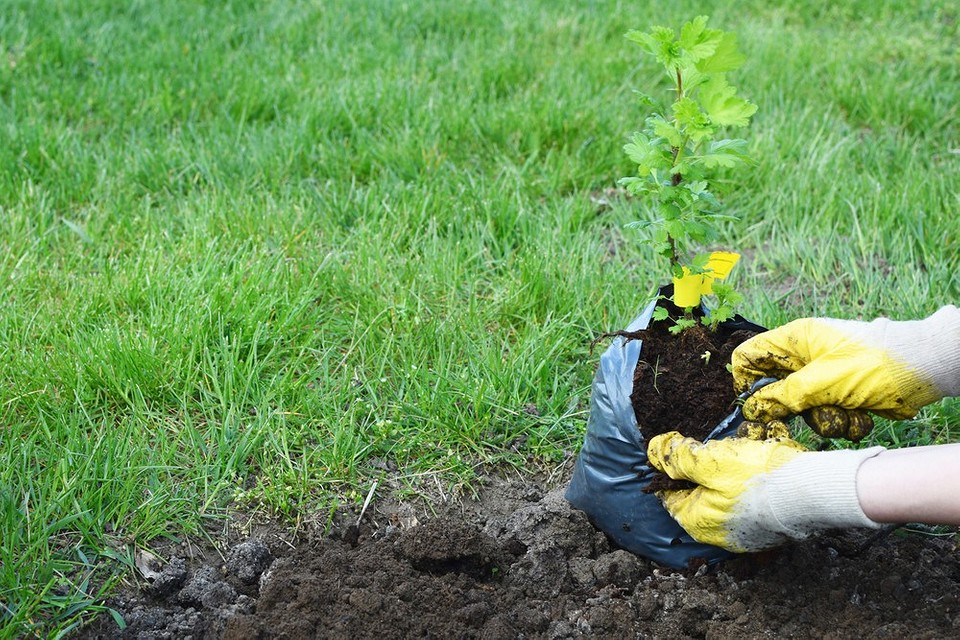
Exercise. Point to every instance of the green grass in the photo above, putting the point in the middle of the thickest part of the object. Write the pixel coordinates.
(253, 252)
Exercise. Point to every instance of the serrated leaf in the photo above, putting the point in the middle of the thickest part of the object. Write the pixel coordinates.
(647, 155)
(704, 197)
(697, 231)
(692, 79)
(723, 153)
(698, 42)
(723, 106)
(676, 228)
(670, 211)
(642, 224)
(665, 130)
(721, 314)
(726, 293)
(645, 100)
(694, 122)
(687, 111)
(635, 186)
(699, 262)
(724, 58)
(674, 195)
(661, 42)
(659, 313)
(700, 195)
(639, 148)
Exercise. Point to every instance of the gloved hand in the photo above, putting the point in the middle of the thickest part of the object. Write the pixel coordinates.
(834, 371)
(753, 495)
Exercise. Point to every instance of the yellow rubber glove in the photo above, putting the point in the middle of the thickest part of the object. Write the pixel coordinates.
(753, 495)
(833, 371)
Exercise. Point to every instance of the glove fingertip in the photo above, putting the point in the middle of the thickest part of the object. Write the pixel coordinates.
(674, 501)
(660, 447)
(761, 407)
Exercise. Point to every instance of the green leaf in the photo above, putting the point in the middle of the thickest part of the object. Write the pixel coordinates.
(692, 79)
(664, 249)
(661, 42)
(675, 196)
(698, 231)
(117, 618)
(692, 120)
(700, 193)
(722, 105)
(645, 100)
(725, 57)
(647, 155)
(659, 313)
(681, 168)
(726, 294)
(721, 314)
(697, 42)
(665, 130)
(682, 324)
(643, 224)
(635, 186)
(699, 263)
(670, 211)
(676, 228)
(723, 153)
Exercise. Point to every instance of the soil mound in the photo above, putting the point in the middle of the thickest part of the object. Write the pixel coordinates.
(521, 563)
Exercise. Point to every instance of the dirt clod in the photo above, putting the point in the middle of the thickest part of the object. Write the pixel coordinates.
(248, 560)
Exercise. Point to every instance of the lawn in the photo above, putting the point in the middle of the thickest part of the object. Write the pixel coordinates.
(259, 255)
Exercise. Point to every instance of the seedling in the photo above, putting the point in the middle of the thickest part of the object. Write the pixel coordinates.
(679, 153)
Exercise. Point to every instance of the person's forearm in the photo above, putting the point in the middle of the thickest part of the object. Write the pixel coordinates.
(920, 484)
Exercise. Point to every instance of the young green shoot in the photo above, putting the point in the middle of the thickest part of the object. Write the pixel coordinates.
(681, 150)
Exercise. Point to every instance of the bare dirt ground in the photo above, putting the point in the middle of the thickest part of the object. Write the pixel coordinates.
(519, 563)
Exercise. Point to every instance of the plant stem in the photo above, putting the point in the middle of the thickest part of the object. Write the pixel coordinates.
(677, 178)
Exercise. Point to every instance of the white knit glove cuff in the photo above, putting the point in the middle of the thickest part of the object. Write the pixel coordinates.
(930, 347)
(933, 347)
(818, 490)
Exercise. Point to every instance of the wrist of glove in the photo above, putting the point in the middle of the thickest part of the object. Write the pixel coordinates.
(930, 348)
(834, 371)
(812, 492)
(753, 495)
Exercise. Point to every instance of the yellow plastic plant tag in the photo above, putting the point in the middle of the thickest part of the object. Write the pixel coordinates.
(688, 289)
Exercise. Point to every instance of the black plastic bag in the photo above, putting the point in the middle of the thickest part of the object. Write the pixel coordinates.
(612, 469)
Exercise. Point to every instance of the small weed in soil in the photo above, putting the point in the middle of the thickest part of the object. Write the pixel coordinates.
(681, 382)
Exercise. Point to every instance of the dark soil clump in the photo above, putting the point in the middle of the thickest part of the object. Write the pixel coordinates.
(677, 386)
(681, 382)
